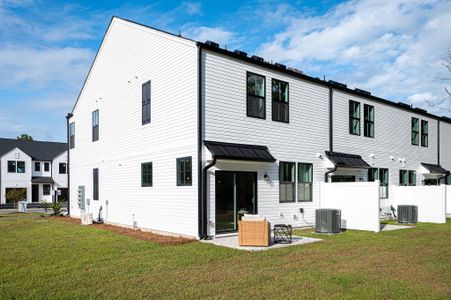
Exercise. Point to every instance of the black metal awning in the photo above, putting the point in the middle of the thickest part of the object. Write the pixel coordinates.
(345, 160)
(232, 151)
(47, 180)
(436, 169)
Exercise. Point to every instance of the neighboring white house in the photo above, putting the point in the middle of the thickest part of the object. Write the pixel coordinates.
(39, 168)
(179, 136)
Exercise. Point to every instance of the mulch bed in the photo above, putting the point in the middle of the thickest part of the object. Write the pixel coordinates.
(139, 234)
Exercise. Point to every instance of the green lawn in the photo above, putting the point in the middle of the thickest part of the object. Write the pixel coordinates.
(45, 258)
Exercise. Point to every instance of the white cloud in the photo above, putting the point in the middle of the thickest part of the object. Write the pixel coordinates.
(191, 8)
(393, 48)
(203, 33)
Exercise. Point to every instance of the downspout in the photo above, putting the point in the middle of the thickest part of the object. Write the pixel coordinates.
(200, 208)
(331, 131)
(438, 142)
(69, 115)
(204, 199)
(326, 175)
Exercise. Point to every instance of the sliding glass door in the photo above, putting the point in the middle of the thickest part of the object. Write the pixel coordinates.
(236, 194)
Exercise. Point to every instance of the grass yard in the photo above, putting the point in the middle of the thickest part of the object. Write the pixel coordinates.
(52, 259)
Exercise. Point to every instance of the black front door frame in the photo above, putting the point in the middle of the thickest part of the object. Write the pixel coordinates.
(255, 192)
(35, 193)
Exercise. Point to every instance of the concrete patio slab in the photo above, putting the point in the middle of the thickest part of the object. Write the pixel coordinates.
(391, 227)
(232, 242)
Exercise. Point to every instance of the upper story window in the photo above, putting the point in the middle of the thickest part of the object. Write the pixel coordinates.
(280, 108)
(16, 166)
(287, 188)
(146, 174)
(424, 133)
(407, 178)
(145, 97)
(62, 168)
(46, 167)
(305, 182)
(95, 184)
(256, 91)
(72, 135)
(95, 125)
(354, 117)
(37, 166)
(368, 120)
(184, 171)
(415, 131)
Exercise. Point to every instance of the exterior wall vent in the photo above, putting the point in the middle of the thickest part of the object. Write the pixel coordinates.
(336, 83)
(280, 66)
(407, 214)
(328, 220)
(362, 91)
(241, 53)
(257, 58)
(212, 44)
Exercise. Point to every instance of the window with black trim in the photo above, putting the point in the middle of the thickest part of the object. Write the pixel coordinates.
(72, 135)
(11, 166)
(20, 166)
(95, 125)
(46, 167)
(256, 96)
(62, 168)
(415, 131)
(407, 178)
(37, 166)
(16, 166)
(46, 189)
(368, 120)
(373, 174)
(354, 117)
(305, 182)
(184, 171)
(383, 177)
(146, 174)
(287, 179)
(280, 101)
(95, 184)
(145, 97)
(424, 133)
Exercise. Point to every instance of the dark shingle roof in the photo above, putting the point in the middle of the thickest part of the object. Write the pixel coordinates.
(36, 149)
(346, 160)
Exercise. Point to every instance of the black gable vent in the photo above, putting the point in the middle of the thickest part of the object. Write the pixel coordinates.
(404, 104)
(362, 91)
(421, 110)
(212, 44)
(239, 52)
(257, 58)
(280, 66)
(338, 83)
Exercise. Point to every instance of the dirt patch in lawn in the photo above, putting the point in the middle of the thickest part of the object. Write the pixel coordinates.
(139, 234)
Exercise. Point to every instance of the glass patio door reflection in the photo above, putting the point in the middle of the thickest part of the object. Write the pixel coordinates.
(236, 194)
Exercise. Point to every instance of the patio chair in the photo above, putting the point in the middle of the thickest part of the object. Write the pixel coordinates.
(254, 230)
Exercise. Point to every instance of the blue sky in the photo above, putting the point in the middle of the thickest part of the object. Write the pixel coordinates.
(392, 48)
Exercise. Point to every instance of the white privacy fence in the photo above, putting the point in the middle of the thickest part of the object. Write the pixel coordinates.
(448, 199)
(431, 201)
(358, 202)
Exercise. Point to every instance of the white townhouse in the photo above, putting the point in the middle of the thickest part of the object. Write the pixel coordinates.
(180, 136)
(37, 168)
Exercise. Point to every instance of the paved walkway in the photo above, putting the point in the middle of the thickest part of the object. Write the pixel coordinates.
(232, 242)
(390, 227)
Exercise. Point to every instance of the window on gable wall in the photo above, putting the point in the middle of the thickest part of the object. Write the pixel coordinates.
(184, 171)
(424, 133)
(146, 174)
(95, 125)
(11, 166)
(415, 131)
(280, 97)
(368, 120)
(354, 117)
(145, 100)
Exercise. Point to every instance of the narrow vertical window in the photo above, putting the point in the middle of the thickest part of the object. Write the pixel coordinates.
(95, 184)
(146, 102)
(146, 174)
(72, 135)
(403, 177)
(62, 168)
(37, 166)
(305, 182)
(184, 171)
(415, 131)
(46, 167)
(354, 117)
(424, 133)
(287, 188)
(95, 125)
(11, 166)
(448, 179)
(373, 174)
(46, 189)
(412, 178)
(383, 177)
(368, 120)
(256, 101)
(20, 166)
(280, 97)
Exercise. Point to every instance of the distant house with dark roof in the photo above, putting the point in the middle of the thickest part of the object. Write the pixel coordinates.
(39, 168)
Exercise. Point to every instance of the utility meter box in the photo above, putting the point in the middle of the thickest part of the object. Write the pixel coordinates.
(81, 197)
